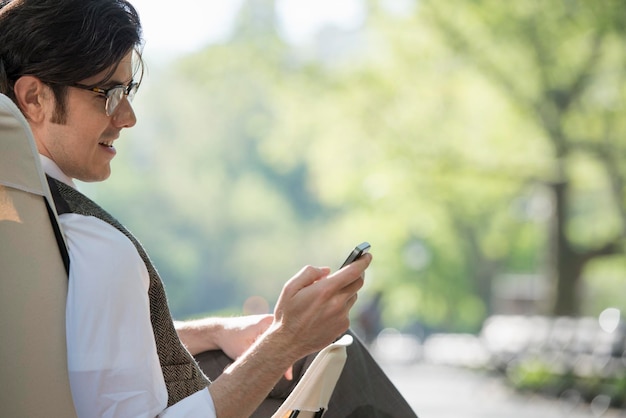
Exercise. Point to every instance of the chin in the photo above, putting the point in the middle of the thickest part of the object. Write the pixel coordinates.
(96, 177)
(103, 178)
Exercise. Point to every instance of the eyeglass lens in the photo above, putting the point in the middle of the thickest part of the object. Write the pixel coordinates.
(117, 94)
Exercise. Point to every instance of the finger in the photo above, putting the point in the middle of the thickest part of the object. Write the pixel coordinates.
(360, 263)
(307, 276)
(352, 300)
(289, 373)
(353, 271)
(350, 287)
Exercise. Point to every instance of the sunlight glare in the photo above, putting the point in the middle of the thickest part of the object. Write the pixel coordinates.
(609, 319)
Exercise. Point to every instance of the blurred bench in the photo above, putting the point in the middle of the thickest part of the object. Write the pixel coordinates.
(583, 351)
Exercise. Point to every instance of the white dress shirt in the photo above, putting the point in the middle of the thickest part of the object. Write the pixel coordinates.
(113, 363)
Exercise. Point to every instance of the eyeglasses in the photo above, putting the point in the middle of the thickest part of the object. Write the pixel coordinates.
(114, 95)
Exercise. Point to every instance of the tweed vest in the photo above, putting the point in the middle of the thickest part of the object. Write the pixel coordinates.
(182, 375)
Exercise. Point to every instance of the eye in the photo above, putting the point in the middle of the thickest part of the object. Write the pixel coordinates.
(117, 91)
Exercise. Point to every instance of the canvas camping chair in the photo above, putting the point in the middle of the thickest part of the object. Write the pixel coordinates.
(33, 281)
(309, 399)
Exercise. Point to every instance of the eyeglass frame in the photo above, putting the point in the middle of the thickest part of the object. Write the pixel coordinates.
(128, 91)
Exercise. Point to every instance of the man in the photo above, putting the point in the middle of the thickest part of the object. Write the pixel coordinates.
(72, 67)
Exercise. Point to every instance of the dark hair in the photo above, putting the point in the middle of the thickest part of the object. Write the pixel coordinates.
(64, 41)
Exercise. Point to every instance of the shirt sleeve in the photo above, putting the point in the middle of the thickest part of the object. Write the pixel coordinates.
(113, 364)
(198, 404)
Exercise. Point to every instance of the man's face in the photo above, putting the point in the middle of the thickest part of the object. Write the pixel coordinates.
(82, 147)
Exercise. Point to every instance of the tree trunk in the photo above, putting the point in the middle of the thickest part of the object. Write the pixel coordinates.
(566, 266)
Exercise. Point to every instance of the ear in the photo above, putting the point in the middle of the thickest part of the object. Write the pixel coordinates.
(33, 97)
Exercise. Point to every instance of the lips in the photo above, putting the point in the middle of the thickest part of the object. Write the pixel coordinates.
(107, 147)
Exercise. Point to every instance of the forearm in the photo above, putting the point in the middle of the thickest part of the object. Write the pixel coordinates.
(311, 312)
(247, 382)
(233, 335)
(241, 388)
(201, 334)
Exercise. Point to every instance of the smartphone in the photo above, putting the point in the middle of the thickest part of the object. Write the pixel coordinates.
(358, 251)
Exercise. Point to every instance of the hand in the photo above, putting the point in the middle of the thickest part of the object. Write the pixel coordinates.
(311, 312)
(239, 333)
(313, 308)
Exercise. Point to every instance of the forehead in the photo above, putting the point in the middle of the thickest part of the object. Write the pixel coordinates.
(120, 73)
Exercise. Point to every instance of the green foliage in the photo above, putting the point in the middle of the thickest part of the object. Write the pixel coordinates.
(436, 135)
(535, 374)
(602, 278)
(561, 86)
(540, 375)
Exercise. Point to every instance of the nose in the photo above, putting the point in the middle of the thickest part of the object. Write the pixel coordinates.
(124, 115)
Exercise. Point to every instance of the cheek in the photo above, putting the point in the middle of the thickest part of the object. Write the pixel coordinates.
(73, 143)
(85, 130)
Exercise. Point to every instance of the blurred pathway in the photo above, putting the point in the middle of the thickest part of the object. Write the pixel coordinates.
(428, 376)
(436, 391)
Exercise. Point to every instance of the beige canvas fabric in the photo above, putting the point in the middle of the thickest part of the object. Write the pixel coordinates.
(311, 395)
(33, 282)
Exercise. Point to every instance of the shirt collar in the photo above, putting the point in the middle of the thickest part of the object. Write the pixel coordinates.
(53, 170)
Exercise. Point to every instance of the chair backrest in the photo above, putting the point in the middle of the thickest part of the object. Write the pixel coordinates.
(33, 281)
(309, 399)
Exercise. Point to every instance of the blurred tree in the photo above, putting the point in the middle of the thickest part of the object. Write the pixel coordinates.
(231, 223)
(439, 132)
(562, 64)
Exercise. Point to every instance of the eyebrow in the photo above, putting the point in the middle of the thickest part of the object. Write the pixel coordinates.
(113, 83)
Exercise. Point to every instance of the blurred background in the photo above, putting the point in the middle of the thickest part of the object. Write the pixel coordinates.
(478, 145)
